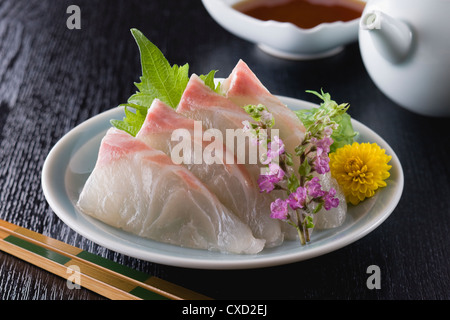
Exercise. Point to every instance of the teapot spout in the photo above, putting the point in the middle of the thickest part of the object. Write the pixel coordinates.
(392, 37)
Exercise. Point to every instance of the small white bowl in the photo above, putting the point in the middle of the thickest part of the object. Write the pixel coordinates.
(284, 39)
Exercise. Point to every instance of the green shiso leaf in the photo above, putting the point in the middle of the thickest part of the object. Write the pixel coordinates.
(159, 80)
(209, 81)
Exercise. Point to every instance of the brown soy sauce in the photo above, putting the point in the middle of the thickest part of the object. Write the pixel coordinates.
(305, 14)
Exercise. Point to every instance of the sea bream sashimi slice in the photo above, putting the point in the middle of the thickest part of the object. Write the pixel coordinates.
(244, 88)
(201, 103)
(230, 182)
(198, 102)
(140, 190)
(181, 138)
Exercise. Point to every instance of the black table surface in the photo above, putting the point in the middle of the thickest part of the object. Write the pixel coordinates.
(53, 78)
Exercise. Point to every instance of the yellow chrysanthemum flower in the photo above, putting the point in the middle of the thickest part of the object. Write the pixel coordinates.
(360, 169)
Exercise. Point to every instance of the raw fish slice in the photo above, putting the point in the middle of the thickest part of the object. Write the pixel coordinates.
(335, 217)
(140, 190)
(244, 88)
(231, 182)
(199, 102)
(231, 115)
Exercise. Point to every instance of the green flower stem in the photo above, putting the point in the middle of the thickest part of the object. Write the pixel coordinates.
(300, 228)
(307, 234)
(299, 231)
(300, 234)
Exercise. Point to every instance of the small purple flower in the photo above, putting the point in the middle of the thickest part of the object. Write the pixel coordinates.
(279, 209)
(314, 188)
(324, 144)
(297, 199)
(274, 149)
(328, 131)
(276, 146)
(266, 118)
(321, 161)
(329, 200)
(252, 132)
(266, 182)
(247, 126)
(275, 170)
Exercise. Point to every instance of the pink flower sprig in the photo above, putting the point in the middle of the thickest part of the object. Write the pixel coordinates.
(304, 194)
(304, 202)
(268, 181)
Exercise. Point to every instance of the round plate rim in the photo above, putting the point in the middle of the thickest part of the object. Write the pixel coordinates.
(51, 184)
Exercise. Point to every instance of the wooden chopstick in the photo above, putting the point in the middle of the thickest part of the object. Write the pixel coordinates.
(103, 276)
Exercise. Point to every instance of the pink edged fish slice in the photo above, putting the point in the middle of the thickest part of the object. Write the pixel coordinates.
(140, 190)
(181, 138)
(229, 181)
(244, 88)
(200, 102)
(215, 111)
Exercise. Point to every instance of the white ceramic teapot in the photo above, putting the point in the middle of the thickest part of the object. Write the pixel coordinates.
(405, 47)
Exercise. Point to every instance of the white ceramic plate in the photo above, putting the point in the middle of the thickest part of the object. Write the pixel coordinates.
(72, 159)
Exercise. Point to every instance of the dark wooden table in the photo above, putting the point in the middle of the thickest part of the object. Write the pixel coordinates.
(53, 78)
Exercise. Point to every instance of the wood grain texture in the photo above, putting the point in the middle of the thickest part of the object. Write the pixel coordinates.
(53, 78)
(102, 276)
